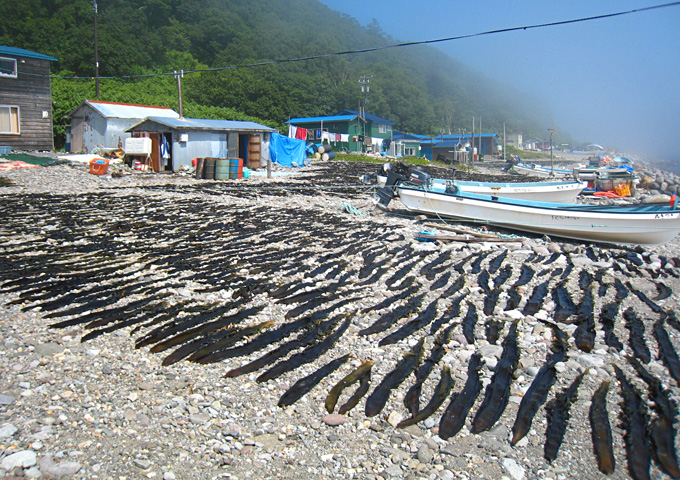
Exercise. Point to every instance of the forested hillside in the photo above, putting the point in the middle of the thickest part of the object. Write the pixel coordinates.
(419, 88)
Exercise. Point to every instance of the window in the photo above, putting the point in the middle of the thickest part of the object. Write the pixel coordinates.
(8, 67)
(9, 119)
(382, 128)
(410, 152)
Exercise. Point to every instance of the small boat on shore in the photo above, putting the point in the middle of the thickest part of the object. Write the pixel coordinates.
(536, 170)
(561, 192)
(649, 224)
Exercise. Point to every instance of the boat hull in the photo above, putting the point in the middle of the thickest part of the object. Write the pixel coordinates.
(652, 225)
(562, 192)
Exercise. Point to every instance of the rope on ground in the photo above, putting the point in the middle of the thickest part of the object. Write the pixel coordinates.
(351, 209)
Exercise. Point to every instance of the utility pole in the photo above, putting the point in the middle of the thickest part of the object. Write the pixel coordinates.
(472, 143)
(96, 51)
(552, 167)
(179, 77)
(364, 80)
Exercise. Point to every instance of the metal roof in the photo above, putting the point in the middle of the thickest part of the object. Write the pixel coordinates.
(127, 110)
(206, 124)
(368, 116)
(334, 118)
(20, 52)
(454, 139)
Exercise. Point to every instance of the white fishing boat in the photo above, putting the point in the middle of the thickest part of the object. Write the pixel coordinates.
(536, 170)
(561, 192)
(650, 224)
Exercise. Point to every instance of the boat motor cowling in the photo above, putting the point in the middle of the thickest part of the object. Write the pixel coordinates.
(419, 177)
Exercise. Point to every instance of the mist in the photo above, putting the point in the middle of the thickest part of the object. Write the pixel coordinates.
(610, 81)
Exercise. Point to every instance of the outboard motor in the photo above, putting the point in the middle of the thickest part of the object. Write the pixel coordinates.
(420, 178)
(394, 175)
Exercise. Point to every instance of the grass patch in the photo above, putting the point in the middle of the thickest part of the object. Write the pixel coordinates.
(357, 157)
(524, 154)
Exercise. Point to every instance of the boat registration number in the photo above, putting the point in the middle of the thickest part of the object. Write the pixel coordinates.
(563, 217)
(665, 215)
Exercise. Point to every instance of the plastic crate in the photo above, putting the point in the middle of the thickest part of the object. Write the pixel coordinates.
(99, 166)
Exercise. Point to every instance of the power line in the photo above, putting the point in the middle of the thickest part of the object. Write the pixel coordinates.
(385, 47)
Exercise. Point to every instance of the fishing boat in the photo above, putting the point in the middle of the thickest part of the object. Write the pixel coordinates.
(650, 224)
(561, 192)
(536, 170)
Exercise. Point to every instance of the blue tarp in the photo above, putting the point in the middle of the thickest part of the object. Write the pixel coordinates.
(285, 150)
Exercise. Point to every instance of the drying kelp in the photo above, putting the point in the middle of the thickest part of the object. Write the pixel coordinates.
(565, 306)
(668, 354)
(584, 335)
(455, 414)
(636, 339)
(393, 316)
(496, 262)
(483, 281)
(310, 354)
(377, 400)
(469, 322)
(608, 318)
(491, 300)
(558, 415)
(536, 300)
(602, 432)
(539, 388)
(412, 397)
(441, 391)
(514, 298)
(525, 275)
(349, 380)
(634, 421)
(498, 391)
(502, 276)
(305, 384)
(645, 299)
(663, 291)
(422, 320)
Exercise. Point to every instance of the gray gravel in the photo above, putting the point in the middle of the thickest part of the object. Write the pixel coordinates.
(105, 410)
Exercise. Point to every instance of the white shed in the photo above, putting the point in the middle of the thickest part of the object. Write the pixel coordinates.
(96, 124)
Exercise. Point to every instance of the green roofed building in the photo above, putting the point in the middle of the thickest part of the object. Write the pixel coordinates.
(347, 130)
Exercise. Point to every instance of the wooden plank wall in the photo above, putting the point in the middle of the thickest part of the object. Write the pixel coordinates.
(31, 92)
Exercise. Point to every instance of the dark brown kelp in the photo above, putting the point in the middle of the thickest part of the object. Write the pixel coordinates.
(393, 316)
(601, 430)
(309, 354)
(377, 400)
(636, 339)
(441, 391)
(661, 429)
(565, 307)
(607, 318)
(536, 299)
(412, 397)
(584, 335)
(454, 416)
(503, 275)
(491, 300)
(350, 379)
(645, 299)
(304, 385)
(667, 353)
(362, 389)
(498, 391)
(525, 276)
(634, 421)
(539, 388)
(663, 291)
(497, 261)
(558, 415)
(423, 319)
(513, 300)
(469, 323)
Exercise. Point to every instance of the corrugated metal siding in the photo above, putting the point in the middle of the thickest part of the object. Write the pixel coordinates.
(200, 144)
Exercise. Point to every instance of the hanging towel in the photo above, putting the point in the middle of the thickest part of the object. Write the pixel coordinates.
(344, 137)
(337, 137)
(301, 133)
(292, 131)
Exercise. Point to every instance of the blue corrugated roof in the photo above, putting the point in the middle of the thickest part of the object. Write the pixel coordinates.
(368, 116)
(20, 52)
(333, 118)
(208, 124)
(449, 140)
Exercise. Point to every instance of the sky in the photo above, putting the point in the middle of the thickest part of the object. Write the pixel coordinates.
(612, 81)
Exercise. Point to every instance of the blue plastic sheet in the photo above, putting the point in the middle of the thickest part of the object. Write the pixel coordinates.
(286, 151)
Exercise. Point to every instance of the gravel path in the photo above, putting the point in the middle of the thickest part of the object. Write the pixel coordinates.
(152, 244)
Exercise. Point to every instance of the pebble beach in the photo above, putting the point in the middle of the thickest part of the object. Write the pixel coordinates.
(103, 406)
